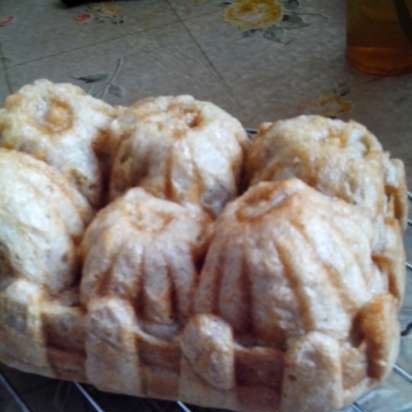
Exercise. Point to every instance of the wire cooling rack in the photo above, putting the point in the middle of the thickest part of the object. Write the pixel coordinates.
(395, 395)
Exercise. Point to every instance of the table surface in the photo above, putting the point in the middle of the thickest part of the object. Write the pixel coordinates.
(127, 50)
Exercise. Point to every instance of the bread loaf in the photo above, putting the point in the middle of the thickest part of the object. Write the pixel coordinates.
(277, 293)
(180, 149)
(337, 158)
(63, 126)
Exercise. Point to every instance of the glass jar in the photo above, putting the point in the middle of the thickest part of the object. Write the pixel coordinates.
(379, 36)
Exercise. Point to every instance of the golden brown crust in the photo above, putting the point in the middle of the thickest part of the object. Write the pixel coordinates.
(381, 333)
(180, 149)
(337, 158)
(42, 219)
(282, 263)
(207, 344)
(63, 126)
(288, 301)
(145, 250)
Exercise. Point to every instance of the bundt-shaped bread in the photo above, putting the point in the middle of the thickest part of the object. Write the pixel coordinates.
(293, 269)
(61, 125)
(42, 218)
(286, 260)
(147, 251)
(283, 299)
(337, 158)
(180, 149)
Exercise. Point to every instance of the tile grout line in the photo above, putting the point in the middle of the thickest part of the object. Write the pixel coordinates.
(126, 33)
(204, 54)
(5, 69)
(68, 51)
(193, 17)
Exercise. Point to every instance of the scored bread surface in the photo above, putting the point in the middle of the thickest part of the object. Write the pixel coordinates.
(190, 264)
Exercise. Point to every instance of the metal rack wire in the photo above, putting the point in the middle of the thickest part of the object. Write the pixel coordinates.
(96, 407)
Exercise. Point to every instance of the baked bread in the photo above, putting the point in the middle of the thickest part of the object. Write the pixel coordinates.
(337, 158)
(63, 126)
(283, 299)
(148, 251)
(180, 149)
(291, 269)
(42, 219)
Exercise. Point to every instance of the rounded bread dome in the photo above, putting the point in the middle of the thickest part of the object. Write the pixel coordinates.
(181, 149)
(341, 159)
(61, 125)
(42, 219)
(146, 251)
(282, 299)
(286, 260)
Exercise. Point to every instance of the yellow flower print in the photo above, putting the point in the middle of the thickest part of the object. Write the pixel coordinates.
(332, 102)
(105, 9)
(254, 14)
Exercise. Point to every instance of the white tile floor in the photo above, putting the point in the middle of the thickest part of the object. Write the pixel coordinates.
(3, 83)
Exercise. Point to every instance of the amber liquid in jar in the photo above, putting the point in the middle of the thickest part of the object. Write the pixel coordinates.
(379, 36)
